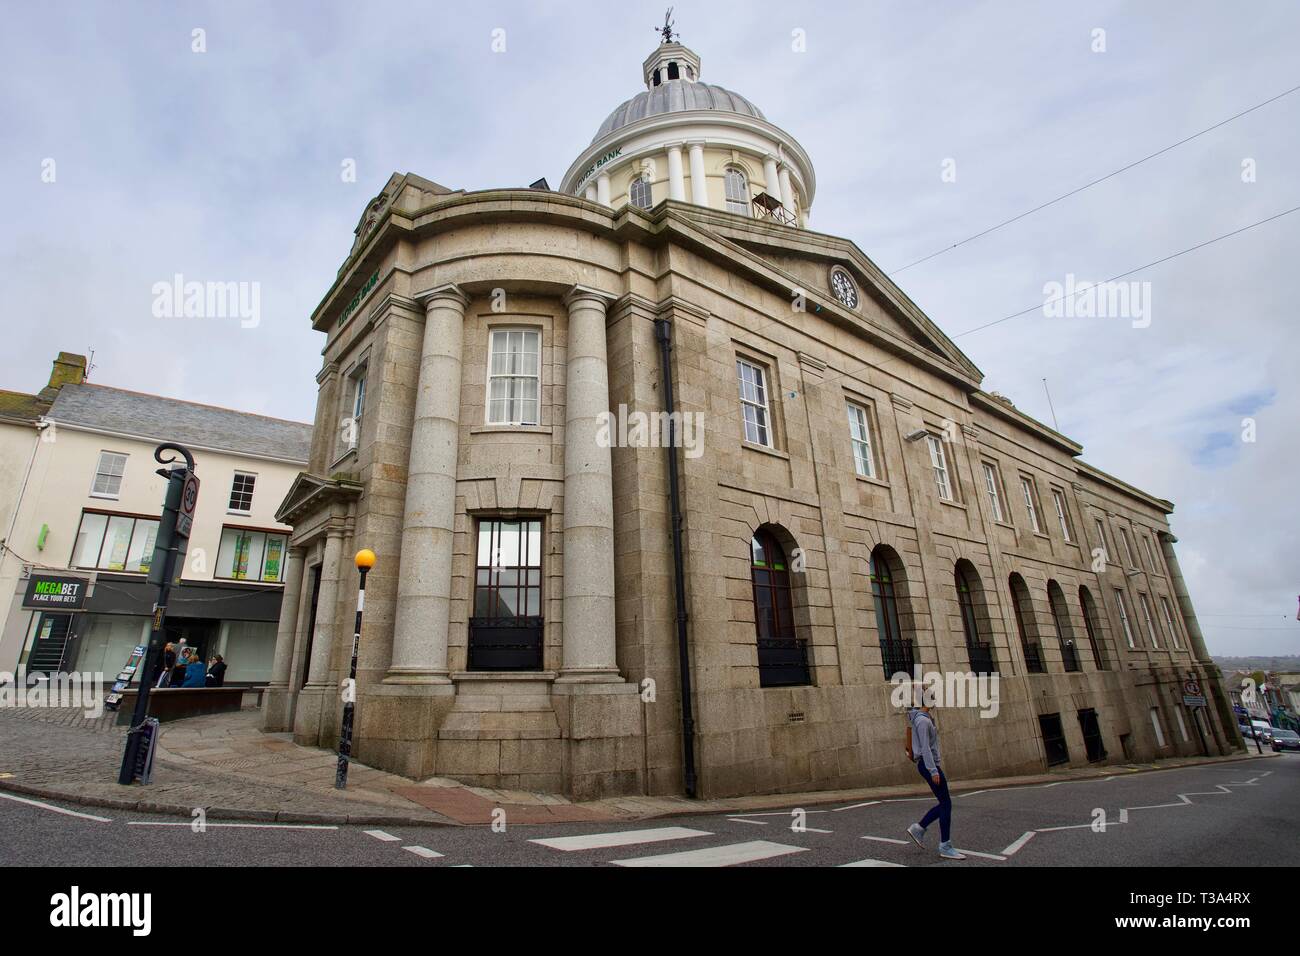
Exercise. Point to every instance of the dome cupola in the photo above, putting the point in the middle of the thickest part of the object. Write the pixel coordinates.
(690, 141)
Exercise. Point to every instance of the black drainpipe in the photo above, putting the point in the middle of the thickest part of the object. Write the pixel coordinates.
(663, 332)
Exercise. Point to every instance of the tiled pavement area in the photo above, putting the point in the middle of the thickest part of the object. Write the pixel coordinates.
(226, 764)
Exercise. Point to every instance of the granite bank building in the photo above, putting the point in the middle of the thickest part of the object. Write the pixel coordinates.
(853, 505)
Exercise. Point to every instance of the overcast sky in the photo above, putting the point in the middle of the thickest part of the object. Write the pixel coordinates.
(225, 165)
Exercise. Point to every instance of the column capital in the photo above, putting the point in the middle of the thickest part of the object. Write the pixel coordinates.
(439, 294)
(580, 293)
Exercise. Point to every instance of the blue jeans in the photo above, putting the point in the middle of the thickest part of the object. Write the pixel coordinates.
(943, 809)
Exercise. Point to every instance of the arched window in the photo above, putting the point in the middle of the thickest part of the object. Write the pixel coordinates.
(895, 649)
(968, 587)
(639, 193)
(1092, 626)
(737, 190)
(782, 657)
(1061, 621)
(672, 71)
(1024, 612)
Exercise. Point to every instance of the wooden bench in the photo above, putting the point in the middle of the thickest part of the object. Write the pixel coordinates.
(177, 703)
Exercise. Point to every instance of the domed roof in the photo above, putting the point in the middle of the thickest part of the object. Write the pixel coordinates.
(676, 96)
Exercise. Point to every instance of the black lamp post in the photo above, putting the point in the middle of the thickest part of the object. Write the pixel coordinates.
(365, 561)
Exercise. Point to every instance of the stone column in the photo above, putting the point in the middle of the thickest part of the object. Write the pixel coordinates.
(699, 184)
(772, 182)
(787, 188)
(602, 189)
(1184, 599)
(676, 183)
(589, 654)
(276, 710)
(288, 626)
(591, 192)
(424, 581)
(322, 642)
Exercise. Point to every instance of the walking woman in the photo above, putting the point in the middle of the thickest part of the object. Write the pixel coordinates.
(923, 747)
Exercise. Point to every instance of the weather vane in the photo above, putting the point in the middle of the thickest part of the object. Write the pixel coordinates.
(667, 29)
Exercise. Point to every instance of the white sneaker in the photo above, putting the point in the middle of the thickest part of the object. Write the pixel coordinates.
(947, 852)
(917, 833)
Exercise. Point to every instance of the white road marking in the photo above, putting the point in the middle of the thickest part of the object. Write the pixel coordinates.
(728, 855)
(1015, 847)
(50, 806)
(237, 826)
(811, 830)
(887, 840)
(381, 835)
(873, 863)
(596, 841)
(987, 856)
(757, 823)
(855, 806)
(773, 813)
(422, 851)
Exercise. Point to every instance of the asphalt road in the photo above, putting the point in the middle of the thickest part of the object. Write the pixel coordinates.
(1226, 814)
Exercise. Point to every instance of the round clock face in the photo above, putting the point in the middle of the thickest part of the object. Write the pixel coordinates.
(844, 288)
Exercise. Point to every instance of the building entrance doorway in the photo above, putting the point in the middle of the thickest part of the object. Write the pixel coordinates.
(50, 646)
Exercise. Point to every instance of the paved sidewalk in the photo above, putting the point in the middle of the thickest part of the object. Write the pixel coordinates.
(227, 765)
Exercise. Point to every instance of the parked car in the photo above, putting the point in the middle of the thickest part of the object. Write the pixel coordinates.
(1247, 731)
(1260, 730)
(1284, 740)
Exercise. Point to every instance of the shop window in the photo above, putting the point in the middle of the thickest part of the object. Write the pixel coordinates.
(246, 555)
(111, 542)
(506, 628)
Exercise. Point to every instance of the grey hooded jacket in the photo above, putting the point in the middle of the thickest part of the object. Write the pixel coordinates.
(925, 739)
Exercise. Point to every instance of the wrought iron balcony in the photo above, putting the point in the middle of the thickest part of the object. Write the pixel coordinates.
(896, 655)
(783, 662)
(1034, 658)
(1069, 656)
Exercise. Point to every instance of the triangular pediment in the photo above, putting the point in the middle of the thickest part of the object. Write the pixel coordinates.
(309, 493)
(809, 258)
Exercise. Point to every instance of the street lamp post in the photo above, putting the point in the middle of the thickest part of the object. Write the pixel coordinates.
(365, 561)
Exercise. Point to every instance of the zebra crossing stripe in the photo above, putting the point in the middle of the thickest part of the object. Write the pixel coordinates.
(597, 841)
(422, 851)
(728, 855)
(869, 862)
(381, 835)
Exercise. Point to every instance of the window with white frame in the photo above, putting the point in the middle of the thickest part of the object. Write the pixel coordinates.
(1101, 538)
(638, 193)
(108, 475)
(1128, 547)
(1169, 622)
(753, 402)
(1123, 617)
(356, 407)
(514, 377)
(991, 487)
(1155, 725)
(864, 460)
(241, 492)
(1150, 619)
(1151, 555)
(737, 191)
(939, 462)
(1062, 514)
(1031, 503)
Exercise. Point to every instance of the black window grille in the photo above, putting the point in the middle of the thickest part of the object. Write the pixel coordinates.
(1061, 622)
(1090, 625)
(1020, 607)
(980, 652)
